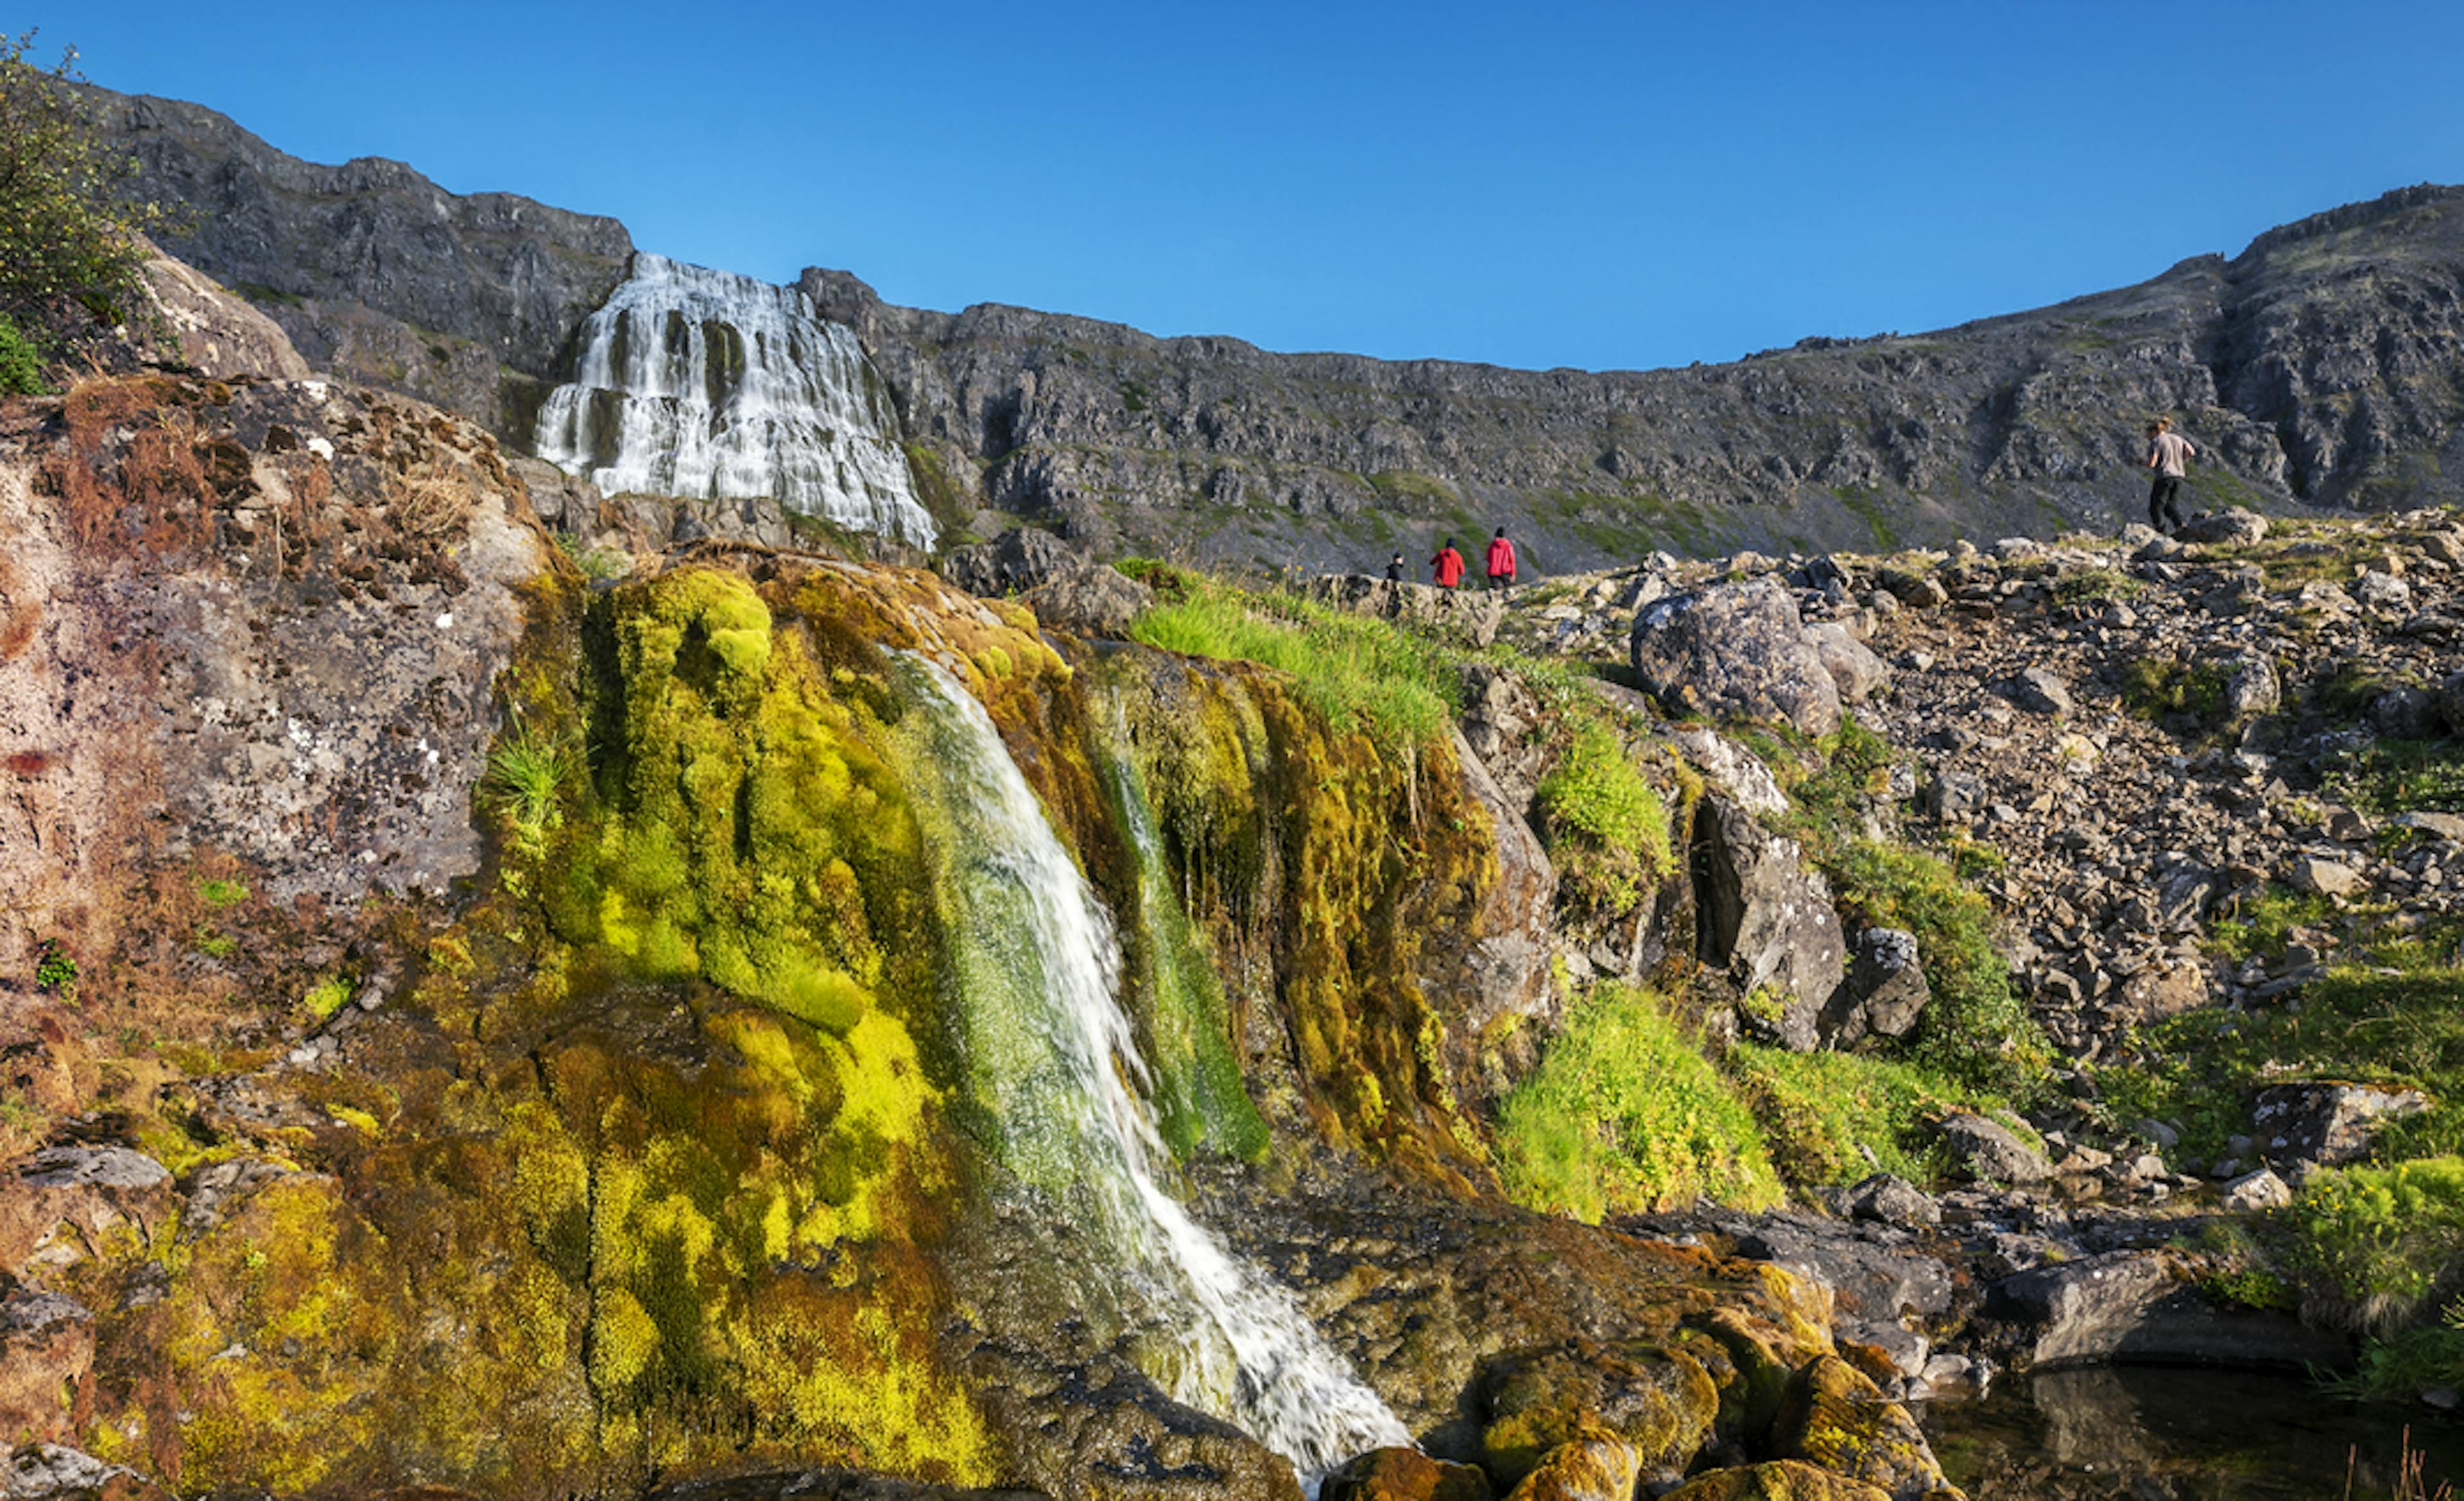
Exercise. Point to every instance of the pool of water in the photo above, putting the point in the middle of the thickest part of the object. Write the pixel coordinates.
(2148, 1434)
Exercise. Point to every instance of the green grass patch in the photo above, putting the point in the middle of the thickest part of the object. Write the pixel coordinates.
(1821, 1114)
(218, 892)
(526, 775)
(1626, 1114)
(598, 565)
(1607, 830)
(2096, 586)
(2390, 776)
(2153, 690)
(1352, 668)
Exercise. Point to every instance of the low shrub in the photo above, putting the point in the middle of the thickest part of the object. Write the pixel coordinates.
(21, 364)
(1626, 1114)
(2155, 690)
(2386, 1241)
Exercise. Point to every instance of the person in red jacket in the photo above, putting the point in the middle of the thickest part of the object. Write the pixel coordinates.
(1447, 565)
(1500, 561)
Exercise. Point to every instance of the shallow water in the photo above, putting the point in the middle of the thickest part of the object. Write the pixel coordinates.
(2150, 1434)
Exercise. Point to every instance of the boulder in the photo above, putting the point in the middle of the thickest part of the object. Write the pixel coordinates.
(2325, 877)
(1585, 1469)
(1735, 651)
(2038, 691)
(1402, 1474)
(1779, 1480)
(2233, 527)
(1660, 1405)
(2326, 1123)
(1876, 1274)
(1765, 919)
(1064, 587)
(1504, 725)
(2408, 714)
(218, 333)
(1890, 1199)
(1836, 1418)
(2251, 687)
(1917, 591)
(2253, 1193)
(1884, 992)
(1991, 1151)
(2134, 1306)
(1854, 670)
(2450, 694)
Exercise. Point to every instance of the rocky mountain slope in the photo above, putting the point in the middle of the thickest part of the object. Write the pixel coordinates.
(2322, 364)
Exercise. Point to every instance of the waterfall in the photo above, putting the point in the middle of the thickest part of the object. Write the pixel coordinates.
(711, 386)
(1050, 1055)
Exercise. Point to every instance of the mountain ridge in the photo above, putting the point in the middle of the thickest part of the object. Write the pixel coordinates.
(2324, 364)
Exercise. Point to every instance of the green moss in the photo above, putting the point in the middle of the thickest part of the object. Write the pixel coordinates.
(1833, 1118)
(1626, 1114)
(2154, 689)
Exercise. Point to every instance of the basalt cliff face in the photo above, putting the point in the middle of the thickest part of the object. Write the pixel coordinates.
(2324, 364)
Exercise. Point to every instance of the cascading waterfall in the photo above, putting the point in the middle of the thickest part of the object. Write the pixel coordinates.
(1051, 1056)
(711, 386)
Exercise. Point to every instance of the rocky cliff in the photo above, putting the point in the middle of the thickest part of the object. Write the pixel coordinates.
(2321, 365)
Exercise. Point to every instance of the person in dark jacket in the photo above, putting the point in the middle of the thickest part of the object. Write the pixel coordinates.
(1500, 561)
(1395, 569)
(1446, 568)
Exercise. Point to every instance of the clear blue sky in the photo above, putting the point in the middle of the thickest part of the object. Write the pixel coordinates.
(1595, 184)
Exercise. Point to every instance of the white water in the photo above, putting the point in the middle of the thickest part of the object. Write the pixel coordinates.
(1052, 1053)
(711, 386)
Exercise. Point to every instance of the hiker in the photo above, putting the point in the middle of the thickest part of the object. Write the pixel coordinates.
(1395, 569)
(1447, 566)
(2167, 453)
(1500, 561)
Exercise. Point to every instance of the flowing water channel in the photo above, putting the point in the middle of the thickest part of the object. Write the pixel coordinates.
(1051, 1058)
(711, 386)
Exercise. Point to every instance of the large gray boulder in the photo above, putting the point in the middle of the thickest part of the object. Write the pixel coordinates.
(1064, 587)
(1884, 993)
(2328, 1124)
(2135, 1306)
(217, 333)
(1736, 651)
(1992, 1152)
(1766, 919)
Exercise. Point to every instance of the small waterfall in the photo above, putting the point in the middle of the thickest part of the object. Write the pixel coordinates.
(711, 386)
(1050, 1054)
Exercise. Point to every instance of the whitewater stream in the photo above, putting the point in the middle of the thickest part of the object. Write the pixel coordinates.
(1053, 1056)
(707, 385)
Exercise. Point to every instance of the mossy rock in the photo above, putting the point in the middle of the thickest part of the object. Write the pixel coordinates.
(1836, 1418)
(1781, 1480)
(1661, 1403)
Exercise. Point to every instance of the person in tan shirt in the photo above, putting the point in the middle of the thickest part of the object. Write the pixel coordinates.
(2169, 455)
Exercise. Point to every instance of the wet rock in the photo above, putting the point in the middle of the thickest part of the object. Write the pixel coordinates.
(1105, 1432)
(1884, 993)
(827, 1485)
(2230, 527)
(1779, 1480)
(1735, 651)
(2327, 1124)
(1583, 1470)
(82, 1191)
(1767, 919)
(1402, 1474)
(1656, 1403)
(1990, 1152)
(1836, 1418)
(46, 1350)
(1874, 1274)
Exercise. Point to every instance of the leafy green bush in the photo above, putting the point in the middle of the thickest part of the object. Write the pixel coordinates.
(1976, 1029)
(1350, 668)
(1822, 1112)
(65, 229)
(1626, 1114)
(2386, 1239)
(1607, 830)
(21, 364)
(56, 971)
